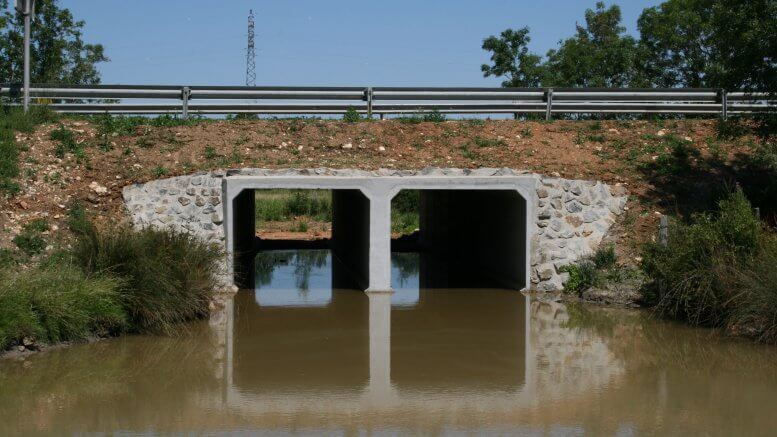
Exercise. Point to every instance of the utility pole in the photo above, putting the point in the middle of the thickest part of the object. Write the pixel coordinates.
(27, 9)
(251, 52)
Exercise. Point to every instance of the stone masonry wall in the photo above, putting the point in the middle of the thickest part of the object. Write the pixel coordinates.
(573, 216)
(189, 204)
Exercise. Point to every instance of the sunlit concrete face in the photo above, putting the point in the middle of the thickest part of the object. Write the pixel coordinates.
(480, 218)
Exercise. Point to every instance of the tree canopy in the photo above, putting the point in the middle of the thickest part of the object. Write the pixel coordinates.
(58, 53)
(682, 43)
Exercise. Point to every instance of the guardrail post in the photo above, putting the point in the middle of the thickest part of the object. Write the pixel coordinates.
(549, 107)
(185, 94)
(368, 98)
(663, 231)
(723, 104)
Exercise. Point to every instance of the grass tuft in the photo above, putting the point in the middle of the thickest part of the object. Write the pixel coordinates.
(167, 277)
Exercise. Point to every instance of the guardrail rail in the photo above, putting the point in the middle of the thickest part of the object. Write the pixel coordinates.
(204, 100)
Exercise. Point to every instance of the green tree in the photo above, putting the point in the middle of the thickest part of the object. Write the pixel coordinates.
(674, 38)
(510, 58)
(710, 43)
(58, 53)
(599, 55)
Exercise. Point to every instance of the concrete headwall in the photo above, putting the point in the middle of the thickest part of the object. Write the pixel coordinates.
(572, 216)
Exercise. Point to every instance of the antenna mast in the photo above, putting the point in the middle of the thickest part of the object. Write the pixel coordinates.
(251, 52)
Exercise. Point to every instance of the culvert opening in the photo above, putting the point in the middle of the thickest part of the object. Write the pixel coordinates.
(318, 239)
(459, 238)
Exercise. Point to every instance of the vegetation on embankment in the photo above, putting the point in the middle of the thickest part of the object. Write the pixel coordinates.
(13, 121)
(717, 270)
(113, 281)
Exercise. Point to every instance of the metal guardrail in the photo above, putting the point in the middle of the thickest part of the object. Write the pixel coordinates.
(180, 100)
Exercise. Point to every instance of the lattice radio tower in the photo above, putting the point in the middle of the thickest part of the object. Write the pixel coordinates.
(251, 52)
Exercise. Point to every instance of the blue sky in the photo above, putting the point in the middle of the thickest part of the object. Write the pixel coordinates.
(314, 42)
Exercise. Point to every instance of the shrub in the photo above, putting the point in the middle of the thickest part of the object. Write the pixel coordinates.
(167, 277)
(434, 116)
(582, 276)
(593, 270)
(755, 313)
(351, 115)
(604, 257)
(57, 304)
(690, 277)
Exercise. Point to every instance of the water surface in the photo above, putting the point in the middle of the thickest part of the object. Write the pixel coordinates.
(297, 356)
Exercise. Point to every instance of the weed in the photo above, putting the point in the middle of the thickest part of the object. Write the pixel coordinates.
(488, 142)
(210, 153)
(301, 226)
(159, 171)
(466, 153)
(29, 241)
(582, 276)
(604, 257)
(595, 138)
(351, 115)
(144, 142)
(66, 142)
(433, 116)
(730, 129)
(593, 270)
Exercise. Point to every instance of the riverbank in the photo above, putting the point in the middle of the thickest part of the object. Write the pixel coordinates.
(111, 281)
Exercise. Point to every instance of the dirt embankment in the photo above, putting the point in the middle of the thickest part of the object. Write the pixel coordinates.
(658, 162)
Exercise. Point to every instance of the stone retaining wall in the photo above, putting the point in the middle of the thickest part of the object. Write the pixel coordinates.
(573, 216)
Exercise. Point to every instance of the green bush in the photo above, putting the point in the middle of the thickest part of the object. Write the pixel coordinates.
(167, 277)
(582, 276)
(593, 270)
(57, 304)
(690, 278)
(351, 115)
(755, 312)
(604, 257)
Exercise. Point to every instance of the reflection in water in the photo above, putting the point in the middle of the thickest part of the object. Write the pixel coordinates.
(444, 362)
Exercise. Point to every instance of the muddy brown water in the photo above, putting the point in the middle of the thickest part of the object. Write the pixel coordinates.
(295, 356)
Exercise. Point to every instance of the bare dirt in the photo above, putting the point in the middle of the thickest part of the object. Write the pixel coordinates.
(629, 153)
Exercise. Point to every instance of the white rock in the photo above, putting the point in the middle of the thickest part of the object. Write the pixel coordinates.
(97, 188)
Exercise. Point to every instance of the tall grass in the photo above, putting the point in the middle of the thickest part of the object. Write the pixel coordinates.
(167, 277)
(284, 205)
(58, 304)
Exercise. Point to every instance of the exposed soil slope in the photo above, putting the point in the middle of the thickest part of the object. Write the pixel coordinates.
(658, 163)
